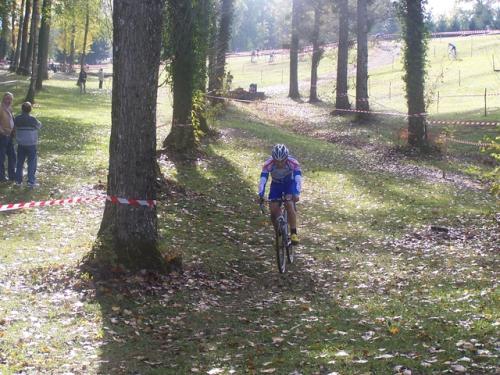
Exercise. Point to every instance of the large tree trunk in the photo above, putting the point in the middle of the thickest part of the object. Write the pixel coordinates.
(182, 138)
(362, 60)
(414, 55)
(22, 68)
(342, 100)
(128, 233)
(30, 96)
(85, 36)
(223, 42)
(293, 91)
(43, 44)
(316, 56)
(17, 55)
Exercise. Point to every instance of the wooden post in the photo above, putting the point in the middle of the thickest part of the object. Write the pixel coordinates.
(437, 109)
(485, 106)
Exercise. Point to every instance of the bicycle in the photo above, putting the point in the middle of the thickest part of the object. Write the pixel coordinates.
(283, 243)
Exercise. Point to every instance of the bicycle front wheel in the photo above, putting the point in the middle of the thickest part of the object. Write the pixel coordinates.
(290, 252)
(280, 251)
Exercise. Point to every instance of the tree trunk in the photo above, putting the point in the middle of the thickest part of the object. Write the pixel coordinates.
(72, 48)
(85, 36)
(203, 14)
(316, 56)
(362, 102)
(31, 44)
(182, 138)
(43, 44)
(212, 56)
(293, 91)
(414, 55)
(342, 100)
(13, 23)
(30, 96)
(223, 43)
(17, 55)
(128, 233)
(4, 37)
(22, 68)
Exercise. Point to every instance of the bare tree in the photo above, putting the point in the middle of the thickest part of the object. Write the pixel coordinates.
(43, 44)
(317, 52)
(23, 64)
(30, 96)
(342, 100)
(293, 91)
(362, 59)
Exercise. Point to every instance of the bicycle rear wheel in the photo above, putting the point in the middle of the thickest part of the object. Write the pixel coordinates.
(280, 251)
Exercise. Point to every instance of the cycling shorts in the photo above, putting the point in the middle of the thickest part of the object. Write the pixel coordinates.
(276, 190)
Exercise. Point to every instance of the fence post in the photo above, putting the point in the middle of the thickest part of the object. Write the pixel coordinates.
(485, 107)
(437, 109)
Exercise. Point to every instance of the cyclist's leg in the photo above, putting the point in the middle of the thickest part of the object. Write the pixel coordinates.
(292, 215)
(275, 193)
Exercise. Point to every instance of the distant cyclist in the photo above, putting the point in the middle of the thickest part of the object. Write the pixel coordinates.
(286, 179)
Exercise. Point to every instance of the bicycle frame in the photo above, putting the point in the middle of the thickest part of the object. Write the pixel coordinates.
(283, 240)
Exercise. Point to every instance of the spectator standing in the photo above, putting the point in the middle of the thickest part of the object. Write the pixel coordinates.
(7, 139)
(82, 80)
(100, 75)
(26, 129)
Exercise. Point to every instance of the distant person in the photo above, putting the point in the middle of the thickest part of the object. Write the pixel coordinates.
(452, 50)
(82, 80)
(253, 57)
(6, 139)
(271, 57)
(100, 75)
(26, 128)
(229, 81)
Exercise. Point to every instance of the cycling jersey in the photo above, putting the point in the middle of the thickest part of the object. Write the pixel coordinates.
(287, 180)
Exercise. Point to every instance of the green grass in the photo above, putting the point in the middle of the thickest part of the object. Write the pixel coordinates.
(373, 287)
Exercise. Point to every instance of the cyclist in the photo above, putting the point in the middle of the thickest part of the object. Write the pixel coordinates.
(286, 179)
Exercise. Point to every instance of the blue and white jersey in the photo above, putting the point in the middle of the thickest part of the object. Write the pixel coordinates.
(290, 173)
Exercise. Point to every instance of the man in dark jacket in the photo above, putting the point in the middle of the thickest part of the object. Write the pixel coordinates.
(26, 129)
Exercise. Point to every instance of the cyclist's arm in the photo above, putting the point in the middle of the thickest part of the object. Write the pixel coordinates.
(262, 184)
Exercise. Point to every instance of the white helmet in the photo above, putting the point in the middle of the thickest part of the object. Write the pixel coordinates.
(280, 152)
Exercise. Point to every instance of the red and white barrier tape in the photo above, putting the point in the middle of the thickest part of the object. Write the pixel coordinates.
(62, 202)
(477, 123)
(463, 142)
(131, 202)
